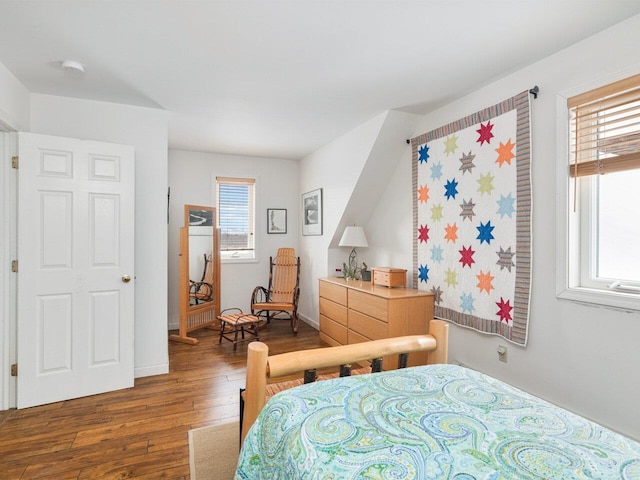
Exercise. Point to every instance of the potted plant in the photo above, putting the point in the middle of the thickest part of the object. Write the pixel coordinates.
(365, 273)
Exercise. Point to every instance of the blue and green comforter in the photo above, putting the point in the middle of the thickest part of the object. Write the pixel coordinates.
(431, 422)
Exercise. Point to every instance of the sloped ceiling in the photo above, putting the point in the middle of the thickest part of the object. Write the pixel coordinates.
(281, 78)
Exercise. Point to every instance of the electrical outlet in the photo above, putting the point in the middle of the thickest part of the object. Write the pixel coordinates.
(502, 353)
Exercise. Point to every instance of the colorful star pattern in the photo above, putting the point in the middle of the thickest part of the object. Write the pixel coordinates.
(505, 206)
(505, 259)
(465, 244)
(423, 194)
(451, 277)
(436, 212)
(485, 281)
(423, 273)
(423, 233)
(436, 171)
(484, 232)
(504, 310)
(505, 153)
(450, 189)
(436, 254)
(450, 145)
(437, 295)
(451, 234)
(424, 153)
(467, 209)
(484, 133)
(466, 256)
(485, 183)
(466, 303)
(467, 162)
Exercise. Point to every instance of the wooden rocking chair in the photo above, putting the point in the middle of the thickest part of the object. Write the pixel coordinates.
(281, 296)
(202, 291)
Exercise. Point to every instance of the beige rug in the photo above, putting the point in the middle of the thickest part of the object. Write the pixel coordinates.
(213, 451)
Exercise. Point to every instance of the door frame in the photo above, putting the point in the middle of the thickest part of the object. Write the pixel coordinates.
(8, 252)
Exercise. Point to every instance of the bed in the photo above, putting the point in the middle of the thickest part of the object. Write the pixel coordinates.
(436, 421)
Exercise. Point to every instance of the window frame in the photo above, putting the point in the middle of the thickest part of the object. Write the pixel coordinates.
(572, 263)
(249, 255)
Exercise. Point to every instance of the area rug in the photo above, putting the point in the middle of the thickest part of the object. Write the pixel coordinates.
(213, 451)
(472, 219)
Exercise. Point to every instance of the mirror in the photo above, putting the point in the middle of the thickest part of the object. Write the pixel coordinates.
(199, 267)
(201, 271)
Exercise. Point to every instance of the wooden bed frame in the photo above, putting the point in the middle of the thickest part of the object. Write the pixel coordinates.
(261, 367)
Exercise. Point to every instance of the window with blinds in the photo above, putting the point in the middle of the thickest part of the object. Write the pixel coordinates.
(605, 129)
(604, 163)
(236, 214)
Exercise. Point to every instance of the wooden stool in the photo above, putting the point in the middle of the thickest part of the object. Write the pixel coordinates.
(235, 323)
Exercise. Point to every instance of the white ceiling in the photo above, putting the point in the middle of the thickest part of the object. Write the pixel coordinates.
(282, 78)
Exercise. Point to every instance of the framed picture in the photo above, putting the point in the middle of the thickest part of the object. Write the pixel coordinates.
(276, 220)
(312, 212)
(199, 219)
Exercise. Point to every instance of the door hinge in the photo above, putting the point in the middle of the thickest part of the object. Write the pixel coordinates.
(14, 266)
(14, 162)
(14, 370)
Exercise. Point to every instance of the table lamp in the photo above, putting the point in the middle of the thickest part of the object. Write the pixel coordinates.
(353, 237)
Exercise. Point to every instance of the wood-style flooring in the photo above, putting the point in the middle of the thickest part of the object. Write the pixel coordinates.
(140, 432)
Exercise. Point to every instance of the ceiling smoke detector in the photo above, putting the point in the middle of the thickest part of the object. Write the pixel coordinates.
(72, 66)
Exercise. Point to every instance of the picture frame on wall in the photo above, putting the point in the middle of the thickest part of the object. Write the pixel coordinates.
(312, 212)
(276, 220)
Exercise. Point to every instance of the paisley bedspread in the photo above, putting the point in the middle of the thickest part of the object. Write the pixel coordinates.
(431, 422)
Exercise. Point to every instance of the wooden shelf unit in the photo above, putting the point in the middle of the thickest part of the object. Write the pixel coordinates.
(353, 311)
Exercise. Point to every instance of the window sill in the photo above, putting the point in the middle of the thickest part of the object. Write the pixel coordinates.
(600, 298)
(238, 260)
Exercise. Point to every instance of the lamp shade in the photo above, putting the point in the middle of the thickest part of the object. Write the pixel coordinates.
(353, 237)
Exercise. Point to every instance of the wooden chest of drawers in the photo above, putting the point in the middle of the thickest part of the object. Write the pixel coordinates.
(354, 311)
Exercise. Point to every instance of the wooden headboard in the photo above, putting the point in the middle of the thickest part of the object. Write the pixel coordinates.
(261, 367)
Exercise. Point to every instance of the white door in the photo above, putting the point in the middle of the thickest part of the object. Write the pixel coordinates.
(75, 259)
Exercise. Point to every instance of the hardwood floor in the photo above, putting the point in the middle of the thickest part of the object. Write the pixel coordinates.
(140, 432)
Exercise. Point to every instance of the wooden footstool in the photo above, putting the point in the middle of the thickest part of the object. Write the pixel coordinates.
(232, 324)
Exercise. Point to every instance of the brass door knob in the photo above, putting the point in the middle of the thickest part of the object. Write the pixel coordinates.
(126, 278)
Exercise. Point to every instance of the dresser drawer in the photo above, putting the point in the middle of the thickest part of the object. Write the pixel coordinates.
(334, 330)
(371, 305)
(367, 326)
(334, 311)
(333, 292)
(354, 337)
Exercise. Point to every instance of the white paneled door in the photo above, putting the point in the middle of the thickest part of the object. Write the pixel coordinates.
(75, 268)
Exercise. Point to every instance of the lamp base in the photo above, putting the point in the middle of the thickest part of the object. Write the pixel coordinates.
(351, 269)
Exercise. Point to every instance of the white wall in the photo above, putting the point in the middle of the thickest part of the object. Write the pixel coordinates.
(192, 181)
(580, 357)
(146, 130)
(335, 168)
(389, 229)
(14, 101)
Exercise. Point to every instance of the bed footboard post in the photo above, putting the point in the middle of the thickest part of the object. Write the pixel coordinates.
(439, 329)
(256, 383)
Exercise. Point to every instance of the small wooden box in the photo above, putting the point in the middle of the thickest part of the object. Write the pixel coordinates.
(389, 277)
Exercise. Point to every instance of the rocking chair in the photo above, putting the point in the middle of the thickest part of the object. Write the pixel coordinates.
(281, 296)
(202, 291)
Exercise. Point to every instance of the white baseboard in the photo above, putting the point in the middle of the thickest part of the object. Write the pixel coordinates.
(151, 370)
(173, 324)
(308, 321)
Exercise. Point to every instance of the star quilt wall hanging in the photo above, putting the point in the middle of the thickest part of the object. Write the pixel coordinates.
(472, 219)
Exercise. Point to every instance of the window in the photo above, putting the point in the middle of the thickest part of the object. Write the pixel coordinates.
(236, 217)
(604, 173)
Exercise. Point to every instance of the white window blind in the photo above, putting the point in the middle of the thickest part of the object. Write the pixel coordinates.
(236, 214)
(605, 129)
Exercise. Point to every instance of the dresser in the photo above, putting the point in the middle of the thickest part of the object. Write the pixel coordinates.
(353, 311)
